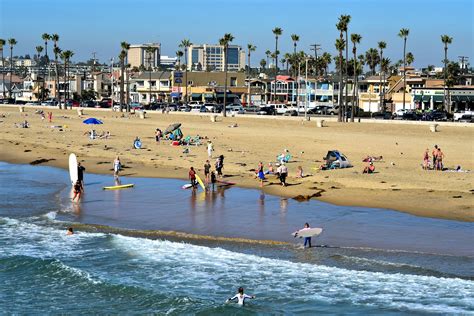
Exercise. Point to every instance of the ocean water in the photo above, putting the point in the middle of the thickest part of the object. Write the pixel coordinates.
(110, 269)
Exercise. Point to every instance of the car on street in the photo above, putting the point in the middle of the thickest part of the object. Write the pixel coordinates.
(266, 110)
(411, 116)
(459, 114)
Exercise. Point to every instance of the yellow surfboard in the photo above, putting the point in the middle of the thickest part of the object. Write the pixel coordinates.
(200, 182)
(118, 187)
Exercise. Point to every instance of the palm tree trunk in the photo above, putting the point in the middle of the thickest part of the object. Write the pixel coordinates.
(404, 71)
(186, 78)
(56, 84)
(248, 81)
(354, 86)
(339, 115)
(225, 82)
(444, 75)
(382, 107)
(11, 71)
(122, 77)
(3, 74)
(127, 93)
(347, 79)
(276, 69)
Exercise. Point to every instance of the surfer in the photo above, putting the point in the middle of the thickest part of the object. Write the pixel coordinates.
(307, 240)
(192, 176)
(240, 297)
(80, 174)
(70, 231)
(77, 190)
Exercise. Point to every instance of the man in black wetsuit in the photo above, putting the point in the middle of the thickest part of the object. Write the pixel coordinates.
(80, 174)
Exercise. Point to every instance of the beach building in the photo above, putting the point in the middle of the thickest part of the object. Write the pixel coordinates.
(137, 55)
(149, 87)
(207, 57)
(168, 62)
(369, 90)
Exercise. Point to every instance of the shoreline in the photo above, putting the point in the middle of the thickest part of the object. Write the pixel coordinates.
(404, 192)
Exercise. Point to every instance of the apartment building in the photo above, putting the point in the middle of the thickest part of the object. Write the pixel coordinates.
(211, 58)
(139, 57)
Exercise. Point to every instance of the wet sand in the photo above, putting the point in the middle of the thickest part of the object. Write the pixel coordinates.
(399, 183)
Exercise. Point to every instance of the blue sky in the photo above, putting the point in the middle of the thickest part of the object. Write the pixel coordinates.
(87, 26)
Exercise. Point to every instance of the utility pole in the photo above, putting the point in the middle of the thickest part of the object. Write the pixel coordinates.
(315, 48)
(94, 61)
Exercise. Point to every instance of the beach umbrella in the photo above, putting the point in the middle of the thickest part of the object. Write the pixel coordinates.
(92, 120)
(172, 128)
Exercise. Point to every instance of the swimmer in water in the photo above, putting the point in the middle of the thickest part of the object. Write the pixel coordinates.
(240, 297)
(70, 231)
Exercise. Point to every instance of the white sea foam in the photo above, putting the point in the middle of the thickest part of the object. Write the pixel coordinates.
(214, 269)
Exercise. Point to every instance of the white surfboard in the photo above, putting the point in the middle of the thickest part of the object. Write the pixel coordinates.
(187, 186)
(311, 232)
(73, 168)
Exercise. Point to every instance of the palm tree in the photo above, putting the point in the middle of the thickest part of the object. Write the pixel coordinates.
(277, 32)
(56, 51)
(12, 42)
(346, 19)
(355, 39)
(251, 48)
(372, 58)
(326, 60)
(150, 53)
(382, 45)
(340, 45)
(295, 38)
(403, 33)
(179, 54)
(288, 60)
(122, 56)
(263, 63)
(268, 53)
(410, 58)
(46, 37)
(445, 39)
(66, 57)
(225, 41)
(39, 49)
(185, 44)
(2, 44)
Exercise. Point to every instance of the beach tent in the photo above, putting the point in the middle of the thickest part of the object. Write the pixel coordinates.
(172, 128)
(335, 160)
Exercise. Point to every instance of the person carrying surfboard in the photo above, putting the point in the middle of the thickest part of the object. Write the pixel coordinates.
(307, 240)
(240, 297)
(80, 174)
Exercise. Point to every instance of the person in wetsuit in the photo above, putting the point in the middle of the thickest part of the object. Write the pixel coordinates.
(240, 297)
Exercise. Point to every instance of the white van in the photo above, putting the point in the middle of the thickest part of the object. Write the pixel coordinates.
(280, 108)
(195, 107)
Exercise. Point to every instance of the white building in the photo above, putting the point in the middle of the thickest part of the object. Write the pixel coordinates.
(211, 57)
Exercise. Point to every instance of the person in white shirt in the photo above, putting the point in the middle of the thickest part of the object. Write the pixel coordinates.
(240, 297)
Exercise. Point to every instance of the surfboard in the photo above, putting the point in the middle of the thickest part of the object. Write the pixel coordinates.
(200, 182)
(187, 186)
(312, 232)
(118, 187)
(73, 168)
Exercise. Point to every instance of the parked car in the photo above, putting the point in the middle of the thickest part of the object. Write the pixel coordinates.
(136, 106)
(291, 113)
(239, 109)
(411, 116)
(279, 108)
(435, 116)
(209, 106)
(319, 109)
(382, 115)
(88, 104)
(333, 110)
(33, 103)
(184, 108)
(53, 102)
(266, 110)
(467, 118)
(400, 112)
(8, 101)
(251, 109)
(459, 114)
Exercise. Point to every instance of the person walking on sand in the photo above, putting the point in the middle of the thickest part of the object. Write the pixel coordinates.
(207, 170)
(426, 159)
(240, 297)
(219, 165)
(434, 153)
(50, 116)
(192, 177)
(260, 173)
(117, 166)
(283, 173)
(210, 148)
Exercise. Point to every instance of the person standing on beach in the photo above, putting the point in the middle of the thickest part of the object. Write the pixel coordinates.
(50, 116)
(434, 153)
(80, 174)
(307, 240)
(283, 173)
(260, 173)
(207, 170)
(219, 165)
(192, 177)
(117, 166)
(210, 148)
(439, 160)
(240, 297)
(426, 159)
(213, 179)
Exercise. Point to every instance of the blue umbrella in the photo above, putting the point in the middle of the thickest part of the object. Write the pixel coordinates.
(92, 120)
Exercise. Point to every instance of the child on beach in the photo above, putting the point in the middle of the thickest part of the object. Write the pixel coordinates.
(117, 166)
(192, 177)
(260, 173)
(426, 159)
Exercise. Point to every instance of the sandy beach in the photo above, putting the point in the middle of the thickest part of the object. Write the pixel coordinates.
(399, 182)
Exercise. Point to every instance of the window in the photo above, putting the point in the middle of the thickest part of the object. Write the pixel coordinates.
(164, 83)
(233, 55)
(195, 56)
(233, 81)
(153, 83)
(190, 82)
